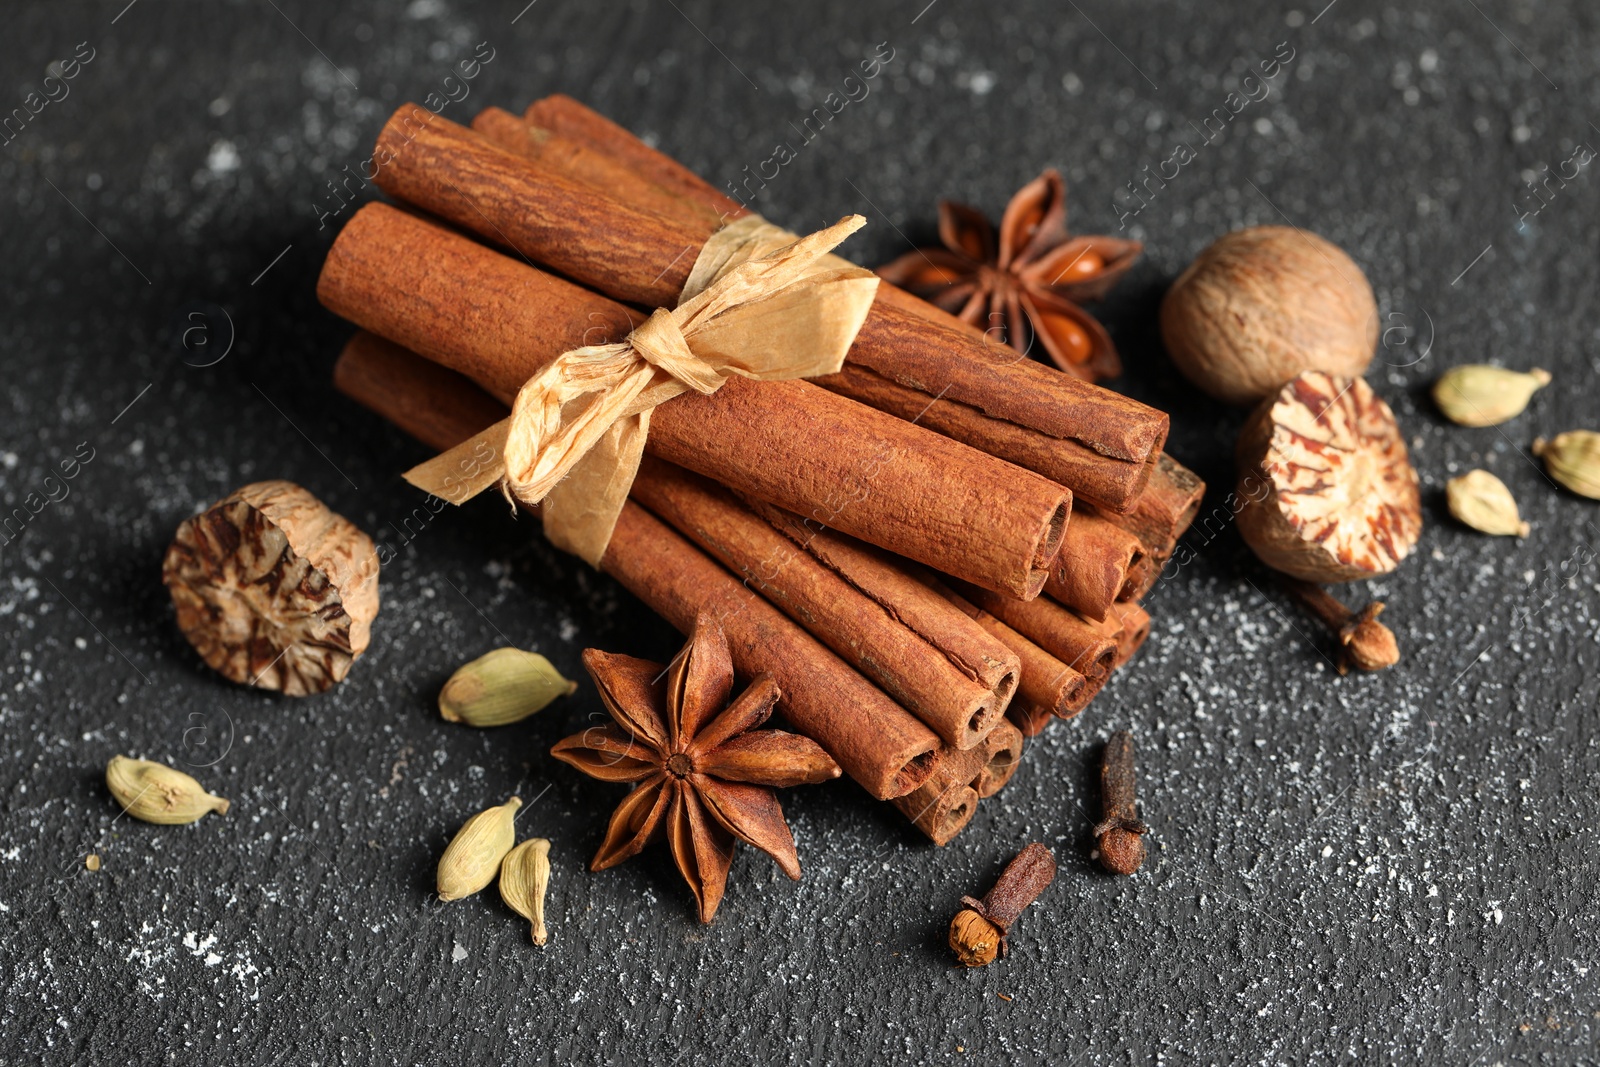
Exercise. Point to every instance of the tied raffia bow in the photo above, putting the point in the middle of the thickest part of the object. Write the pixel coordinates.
(758, 303)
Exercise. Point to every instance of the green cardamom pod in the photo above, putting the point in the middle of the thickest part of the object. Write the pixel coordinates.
(154, 792)
(524, 877)
(1482, 501)
(472, 858)
(1573, 459)
(505, 686)
(1481, 395)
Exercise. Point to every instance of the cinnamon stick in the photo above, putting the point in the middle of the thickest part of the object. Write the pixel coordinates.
(583, 163)
(944, 804)
(1111, 486)
(1081, 645)
(563, 115)
(1165, 508)
(1089, 574)
(940, 807)
(1134, 629)
(827, 458)
(639, 257)
(1085, 472)
(1143, 573)
(1030, 720)
(1003, 752)
(876, 742)
(922, 668)
(1046, 682)
(887, 581)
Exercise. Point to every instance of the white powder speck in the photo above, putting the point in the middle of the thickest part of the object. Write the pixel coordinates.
(223, 158)
(212, 959)
(458, 953)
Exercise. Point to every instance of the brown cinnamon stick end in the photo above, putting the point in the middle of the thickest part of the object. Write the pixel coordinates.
(955, 810)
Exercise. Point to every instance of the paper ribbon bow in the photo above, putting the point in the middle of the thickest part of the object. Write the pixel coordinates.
(758, 302)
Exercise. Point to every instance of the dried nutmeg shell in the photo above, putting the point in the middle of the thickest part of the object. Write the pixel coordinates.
(273, 589)
(472, 858)
(1482, 501)
(1260, 305)
(154, 792)
(1573, 459)
(503, 686)
(1478, 394)
(1326, 491)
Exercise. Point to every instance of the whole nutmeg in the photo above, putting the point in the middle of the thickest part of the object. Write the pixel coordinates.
(273, 589)
(1326, 491)
(1259, 306)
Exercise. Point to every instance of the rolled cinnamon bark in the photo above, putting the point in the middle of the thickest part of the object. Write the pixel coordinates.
(830, 459)
(1159, 517)
(1030, 720)
(943, 805)
(1165, 508)
(1134, 630)
(1046, 681)
(879, 744)
(1086, 473)
(1112, 486)
(1079, 644)
(434, 404)
(888, 582)
(920, 668)
(1143, 573)
(1003, 752)
(940, 807)
(577, 160)
(1089, 574)
(563, 115)
(636, 256)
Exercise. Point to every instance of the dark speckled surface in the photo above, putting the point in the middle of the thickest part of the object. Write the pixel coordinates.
(1397, 868)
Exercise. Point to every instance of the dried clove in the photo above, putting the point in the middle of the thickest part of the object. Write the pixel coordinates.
(978, 932)
(1364, 643)
(1119, 836)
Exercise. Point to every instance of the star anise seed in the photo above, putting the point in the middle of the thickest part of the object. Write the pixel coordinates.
(701, 771)
(1024, 284)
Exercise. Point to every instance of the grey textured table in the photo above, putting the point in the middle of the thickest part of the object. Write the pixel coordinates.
(1397, 868)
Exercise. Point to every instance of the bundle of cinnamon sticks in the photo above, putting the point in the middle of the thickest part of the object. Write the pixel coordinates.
(876, 540)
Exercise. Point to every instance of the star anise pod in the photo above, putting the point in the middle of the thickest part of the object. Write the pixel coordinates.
(1024, 285)
(701, 771)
